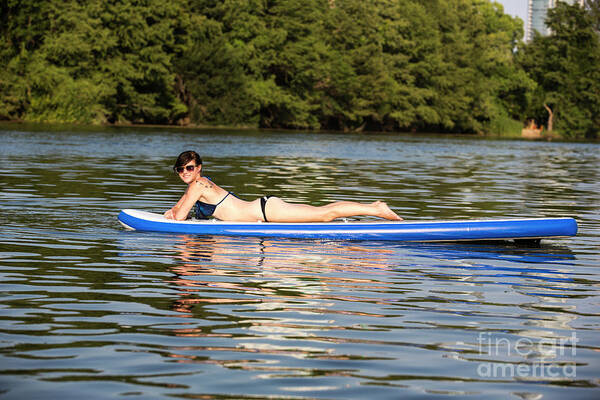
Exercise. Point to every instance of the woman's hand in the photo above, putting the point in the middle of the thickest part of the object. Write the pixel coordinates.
(169, 214)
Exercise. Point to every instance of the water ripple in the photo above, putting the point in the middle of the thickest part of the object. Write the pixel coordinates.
(87, 307)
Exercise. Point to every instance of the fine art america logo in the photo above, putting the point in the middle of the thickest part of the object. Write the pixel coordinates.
(546, 358)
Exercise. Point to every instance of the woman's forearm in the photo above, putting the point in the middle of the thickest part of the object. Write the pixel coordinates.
(181, 210)
(173, 211)
(179, 214)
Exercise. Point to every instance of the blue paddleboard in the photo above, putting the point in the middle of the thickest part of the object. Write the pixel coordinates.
(422, 231)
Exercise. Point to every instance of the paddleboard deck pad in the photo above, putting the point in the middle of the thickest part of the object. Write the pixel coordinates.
(404, 231)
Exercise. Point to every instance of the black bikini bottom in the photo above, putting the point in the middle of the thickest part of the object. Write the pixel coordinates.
(263, 205)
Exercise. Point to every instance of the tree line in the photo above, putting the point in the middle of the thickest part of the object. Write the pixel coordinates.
(387, 65)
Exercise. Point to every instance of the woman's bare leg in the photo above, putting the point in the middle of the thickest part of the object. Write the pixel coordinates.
(278, 210)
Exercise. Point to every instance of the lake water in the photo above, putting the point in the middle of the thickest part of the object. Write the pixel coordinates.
(89, 310)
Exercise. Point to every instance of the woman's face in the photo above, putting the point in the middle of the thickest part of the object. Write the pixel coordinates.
(189, 172)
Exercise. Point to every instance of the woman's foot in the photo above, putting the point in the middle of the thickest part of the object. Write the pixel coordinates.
(384, 211)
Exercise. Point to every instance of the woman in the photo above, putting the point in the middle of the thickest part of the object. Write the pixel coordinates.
(211, 199)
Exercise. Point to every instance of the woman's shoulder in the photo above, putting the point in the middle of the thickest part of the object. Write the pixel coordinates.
(202, 184)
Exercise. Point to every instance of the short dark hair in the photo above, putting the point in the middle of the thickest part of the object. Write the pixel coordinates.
(186, 157)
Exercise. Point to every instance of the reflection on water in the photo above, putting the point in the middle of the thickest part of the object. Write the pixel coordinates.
(90, 308)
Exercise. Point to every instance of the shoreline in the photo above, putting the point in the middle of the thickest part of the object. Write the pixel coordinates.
(202, 127)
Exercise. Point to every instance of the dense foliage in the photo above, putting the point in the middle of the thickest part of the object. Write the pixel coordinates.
(566, 67)
(443, 65)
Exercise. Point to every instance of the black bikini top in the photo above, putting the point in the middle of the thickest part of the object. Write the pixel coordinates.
(205, 210)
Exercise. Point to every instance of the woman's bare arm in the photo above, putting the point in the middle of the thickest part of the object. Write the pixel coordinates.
(192, 194)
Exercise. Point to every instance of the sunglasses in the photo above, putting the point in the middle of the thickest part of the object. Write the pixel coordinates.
(188, 168)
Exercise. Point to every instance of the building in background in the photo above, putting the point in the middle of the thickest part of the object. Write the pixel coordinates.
(536, 15)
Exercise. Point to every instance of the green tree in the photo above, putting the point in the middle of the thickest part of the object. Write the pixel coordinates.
(250, 63)
(478, 82)
(96, 61)
(23, 26)
(346, 65)
(384, 64)
(565, 68)
(381, 53)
